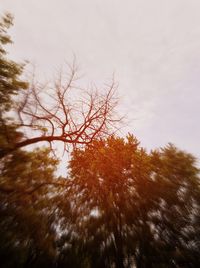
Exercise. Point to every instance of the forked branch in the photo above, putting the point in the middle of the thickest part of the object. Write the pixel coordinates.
(64, 112)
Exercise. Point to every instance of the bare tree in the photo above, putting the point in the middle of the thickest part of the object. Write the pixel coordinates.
(64, 112)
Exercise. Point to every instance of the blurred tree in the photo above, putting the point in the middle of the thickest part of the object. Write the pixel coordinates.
(27, 212)
(10, 84)
(10, 71)
(120, 207)
(23, 227)
(133, 208)
(26, 185)
(177, 222)
(111, 182)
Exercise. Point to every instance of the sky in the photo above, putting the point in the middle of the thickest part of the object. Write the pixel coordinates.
(153, 47)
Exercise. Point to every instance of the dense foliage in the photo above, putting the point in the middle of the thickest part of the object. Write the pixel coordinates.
(135, 207)
(119, 207)
(10, 85)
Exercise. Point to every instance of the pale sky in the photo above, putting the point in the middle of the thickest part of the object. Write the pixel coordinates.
(152, 46)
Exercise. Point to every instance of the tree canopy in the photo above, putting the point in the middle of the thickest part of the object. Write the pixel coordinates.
(119, 207)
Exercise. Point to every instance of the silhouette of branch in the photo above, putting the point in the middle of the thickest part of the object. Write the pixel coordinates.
(60, 113)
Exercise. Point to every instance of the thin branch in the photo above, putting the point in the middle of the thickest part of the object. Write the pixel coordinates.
(72, 122)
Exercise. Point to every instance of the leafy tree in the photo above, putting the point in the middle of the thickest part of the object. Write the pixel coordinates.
(10, 85)
(177, 221)
(130, 207)
(111, 182)
(120, 207)
(10, 71)
(26, 211)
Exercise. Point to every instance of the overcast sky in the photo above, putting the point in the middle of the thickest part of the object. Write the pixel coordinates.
(152, 46)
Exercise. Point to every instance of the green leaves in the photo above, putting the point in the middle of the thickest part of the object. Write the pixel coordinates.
(10, 82)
